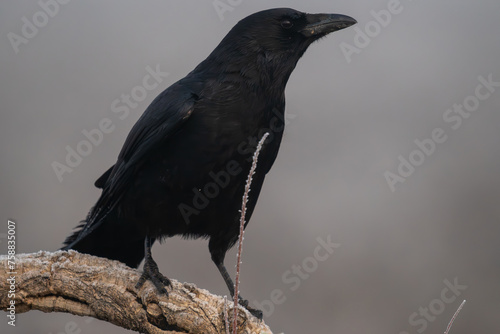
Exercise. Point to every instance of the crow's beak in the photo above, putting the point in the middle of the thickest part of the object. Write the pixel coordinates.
(323, 24)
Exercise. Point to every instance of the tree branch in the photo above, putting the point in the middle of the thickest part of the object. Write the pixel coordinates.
(86, 285)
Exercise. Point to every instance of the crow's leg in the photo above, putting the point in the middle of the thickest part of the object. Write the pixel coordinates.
(218, 258)
(150, 270)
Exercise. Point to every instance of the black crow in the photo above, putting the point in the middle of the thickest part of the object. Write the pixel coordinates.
(183, 167)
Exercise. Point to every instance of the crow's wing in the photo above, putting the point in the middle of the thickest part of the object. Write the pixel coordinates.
(163, 118)
(101, 181)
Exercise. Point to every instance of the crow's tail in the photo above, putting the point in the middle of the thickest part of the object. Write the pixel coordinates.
(110, 238)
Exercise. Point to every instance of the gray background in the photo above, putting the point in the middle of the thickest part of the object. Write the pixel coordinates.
(351, 122)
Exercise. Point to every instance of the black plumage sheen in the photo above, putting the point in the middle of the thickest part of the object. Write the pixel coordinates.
(183, 167)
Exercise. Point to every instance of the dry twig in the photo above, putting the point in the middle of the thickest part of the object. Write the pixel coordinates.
(453, 318)
(242, 225)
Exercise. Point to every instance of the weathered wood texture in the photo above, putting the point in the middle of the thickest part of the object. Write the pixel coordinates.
(86, 285)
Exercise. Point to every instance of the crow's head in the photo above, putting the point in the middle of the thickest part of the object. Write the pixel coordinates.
(274, 40)
(287, 30)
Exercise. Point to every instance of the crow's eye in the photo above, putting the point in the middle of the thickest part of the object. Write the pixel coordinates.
(286, 24)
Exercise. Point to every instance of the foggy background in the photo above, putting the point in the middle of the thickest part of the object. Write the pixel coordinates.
(349, 123)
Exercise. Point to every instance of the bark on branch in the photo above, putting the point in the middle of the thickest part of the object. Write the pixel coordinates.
(86, 285)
